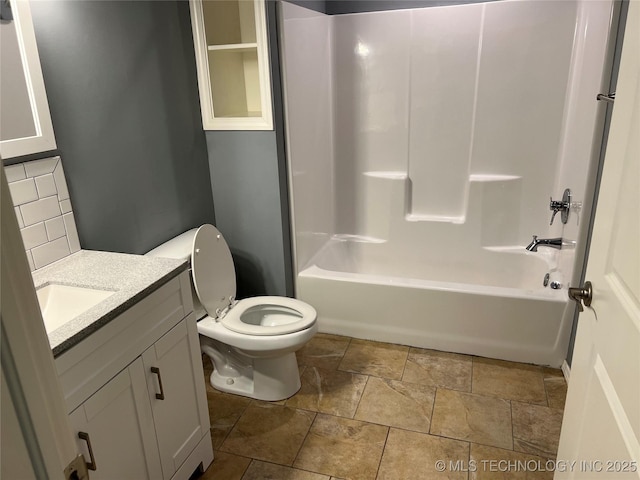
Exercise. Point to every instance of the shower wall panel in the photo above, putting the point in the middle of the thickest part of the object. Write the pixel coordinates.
(307, 59)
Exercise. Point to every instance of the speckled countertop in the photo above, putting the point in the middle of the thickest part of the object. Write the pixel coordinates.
(131, 277)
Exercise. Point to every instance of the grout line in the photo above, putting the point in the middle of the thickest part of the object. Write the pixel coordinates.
(244, 472)
(404, 367)
(315, 417)
(546, 392)
(384, 447)
(355, 412)
(473, 364)
(513, 442)
(433, 408)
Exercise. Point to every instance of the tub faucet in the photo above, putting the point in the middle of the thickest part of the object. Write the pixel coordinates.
(544, 242)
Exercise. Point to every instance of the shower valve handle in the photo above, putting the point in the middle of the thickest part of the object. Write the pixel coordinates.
(562, 206)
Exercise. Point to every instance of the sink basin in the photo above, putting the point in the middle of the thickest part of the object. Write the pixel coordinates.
(61, 303)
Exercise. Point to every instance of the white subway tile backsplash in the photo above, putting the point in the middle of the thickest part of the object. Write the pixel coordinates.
(72, 232)
(50, 252)
(43, 209)
(65, 206)
(23, 191)
(46, 186)
(55, 228)
(40, 210)
(32, 265)
(34, 236)
(19, 217)
(41, 167)
(61, 182)
(15, 172)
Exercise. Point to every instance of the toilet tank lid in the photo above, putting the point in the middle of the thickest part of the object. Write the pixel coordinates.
(178, 247)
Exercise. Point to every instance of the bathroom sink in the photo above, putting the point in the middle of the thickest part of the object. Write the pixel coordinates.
(61, 303)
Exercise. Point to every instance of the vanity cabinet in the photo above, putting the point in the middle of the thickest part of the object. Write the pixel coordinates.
(232, 59)
(135, 390)
(117, 423)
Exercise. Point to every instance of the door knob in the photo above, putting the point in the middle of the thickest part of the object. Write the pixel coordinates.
(582, 294)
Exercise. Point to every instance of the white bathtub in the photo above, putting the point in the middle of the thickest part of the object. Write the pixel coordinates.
(490, 304)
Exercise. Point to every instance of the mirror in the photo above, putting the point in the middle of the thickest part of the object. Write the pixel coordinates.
(24, 111)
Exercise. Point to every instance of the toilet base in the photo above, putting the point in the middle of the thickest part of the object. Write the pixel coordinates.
(269, 379)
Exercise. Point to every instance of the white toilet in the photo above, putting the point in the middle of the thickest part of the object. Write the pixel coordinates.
(251, 342)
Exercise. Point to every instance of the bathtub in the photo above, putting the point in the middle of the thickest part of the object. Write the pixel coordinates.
(490, 303)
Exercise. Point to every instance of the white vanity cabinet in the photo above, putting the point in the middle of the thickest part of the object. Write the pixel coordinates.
(232, 58)
(135, 390)
(115, 428)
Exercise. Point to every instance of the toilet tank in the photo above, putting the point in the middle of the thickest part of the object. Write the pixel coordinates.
(180, 248)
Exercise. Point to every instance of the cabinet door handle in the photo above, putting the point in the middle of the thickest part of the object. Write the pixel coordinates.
(85, 436)
(156, 370)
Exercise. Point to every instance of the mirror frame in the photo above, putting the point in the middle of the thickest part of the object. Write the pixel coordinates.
(44, 139)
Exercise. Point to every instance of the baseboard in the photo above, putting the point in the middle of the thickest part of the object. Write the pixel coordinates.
(566, 371)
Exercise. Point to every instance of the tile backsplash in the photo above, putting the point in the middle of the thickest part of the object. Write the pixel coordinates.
(41, 199)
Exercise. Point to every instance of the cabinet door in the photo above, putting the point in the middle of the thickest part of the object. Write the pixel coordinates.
(119, 424)
(173, 369)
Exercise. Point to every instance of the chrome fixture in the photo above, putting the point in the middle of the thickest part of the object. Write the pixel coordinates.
(607, 98)
(561, 206)
(545, 282)
(582, 295)
(544, 242)
(556, 285)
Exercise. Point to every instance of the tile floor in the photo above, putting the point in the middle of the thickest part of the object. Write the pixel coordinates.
(370, 410)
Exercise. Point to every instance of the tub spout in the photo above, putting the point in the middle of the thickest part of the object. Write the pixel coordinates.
(544, 242)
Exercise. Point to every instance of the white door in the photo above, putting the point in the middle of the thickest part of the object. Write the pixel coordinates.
(35, 424)
(601, 427)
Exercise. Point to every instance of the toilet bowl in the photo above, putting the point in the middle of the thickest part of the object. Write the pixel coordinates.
(251, 342)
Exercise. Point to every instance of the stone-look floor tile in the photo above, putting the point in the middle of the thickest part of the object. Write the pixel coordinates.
(224, 412)
(497, 464)
(556, 388)
(509, 380)
(269, 471)
(552, 372)
(329, 391)
(438, 369)
(410, 455)
(227, 466)
(343, 448)
(323, 351)
(269, 432)
(397, 404)
(375, 358)
(536, 429)
(474, 418)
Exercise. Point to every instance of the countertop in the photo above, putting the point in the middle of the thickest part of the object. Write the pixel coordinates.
(132, 277)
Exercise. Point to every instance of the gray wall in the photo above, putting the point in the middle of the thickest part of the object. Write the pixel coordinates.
(249, 182)
(122, 89)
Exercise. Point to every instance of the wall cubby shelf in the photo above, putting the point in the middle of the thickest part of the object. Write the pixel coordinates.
(230, 39)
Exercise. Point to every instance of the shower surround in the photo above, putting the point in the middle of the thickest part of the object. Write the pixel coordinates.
(423, 147)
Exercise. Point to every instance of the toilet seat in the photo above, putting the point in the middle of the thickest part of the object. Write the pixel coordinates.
(214, 279)
(212, 270)
(269, 316)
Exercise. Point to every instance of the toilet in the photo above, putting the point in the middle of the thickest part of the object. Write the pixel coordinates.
(251, 342)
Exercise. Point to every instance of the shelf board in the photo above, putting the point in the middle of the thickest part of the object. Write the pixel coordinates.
(233, 47)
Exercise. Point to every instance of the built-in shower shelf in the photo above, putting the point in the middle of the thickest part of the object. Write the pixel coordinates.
(357, 238)
(416, 217)
(482, 177)
(390, 175)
